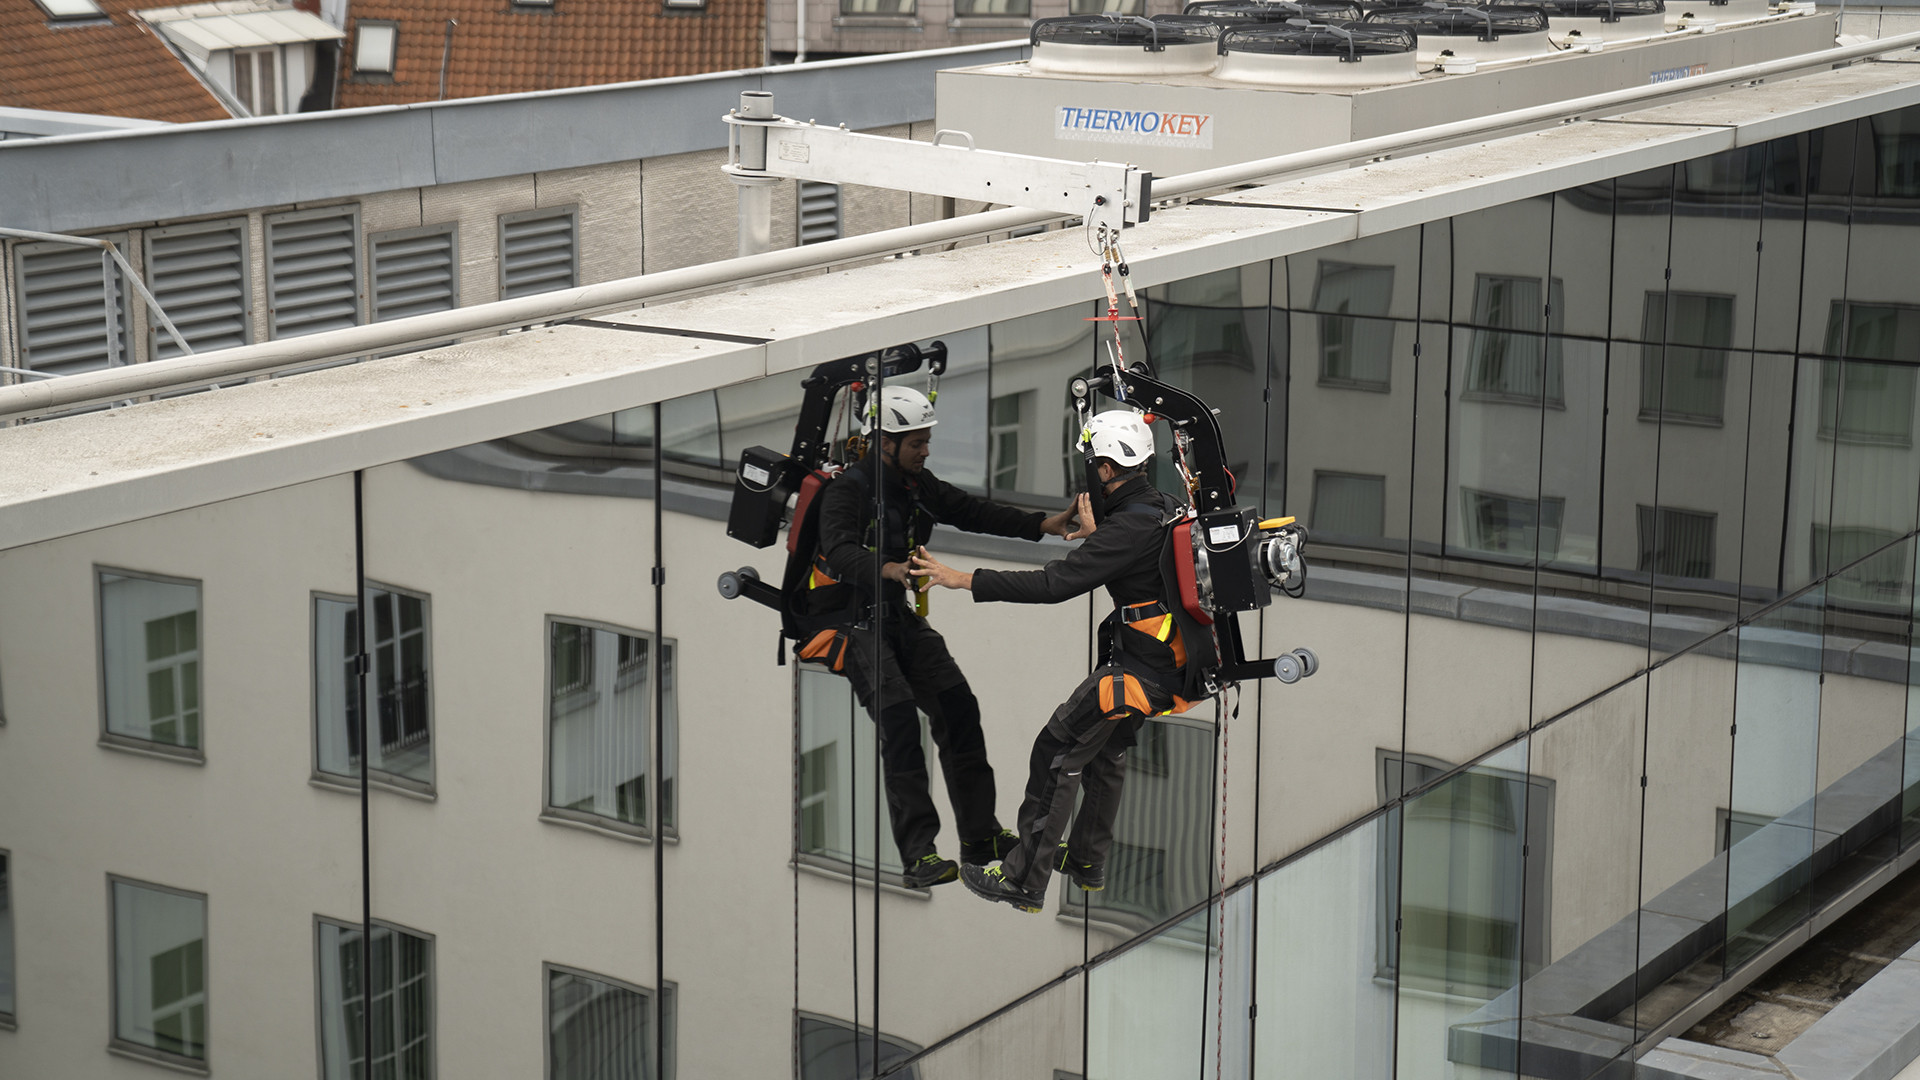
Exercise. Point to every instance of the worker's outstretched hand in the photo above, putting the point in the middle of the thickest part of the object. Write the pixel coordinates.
(1073, 523)
(932, 571)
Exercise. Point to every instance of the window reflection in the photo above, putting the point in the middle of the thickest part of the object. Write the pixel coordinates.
(1687, 378)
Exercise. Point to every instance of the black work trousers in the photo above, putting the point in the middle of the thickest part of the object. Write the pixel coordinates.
(917, 674)
(1083, 748)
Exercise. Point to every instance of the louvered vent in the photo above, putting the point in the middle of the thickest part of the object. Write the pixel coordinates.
(198, 273)
(819, 212)
(313, 271)
(536, 252)
(73, 312)
(413, 272)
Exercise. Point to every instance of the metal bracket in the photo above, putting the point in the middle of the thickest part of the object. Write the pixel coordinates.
(776, 147)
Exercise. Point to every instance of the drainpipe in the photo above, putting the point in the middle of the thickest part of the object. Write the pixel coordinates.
(446, 53)
(756, 192)
(800, 31)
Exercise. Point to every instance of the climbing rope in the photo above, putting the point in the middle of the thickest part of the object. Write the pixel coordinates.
(1221, 711)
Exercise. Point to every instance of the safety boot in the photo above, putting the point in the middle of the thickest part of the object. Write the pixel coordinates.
(1089, 877)
(929, 870)
(988, 848)
(989, 883)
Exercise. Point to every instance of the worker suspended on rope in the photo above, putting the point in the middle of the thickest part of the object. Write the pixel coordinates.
(917, 673)
(1141, 670)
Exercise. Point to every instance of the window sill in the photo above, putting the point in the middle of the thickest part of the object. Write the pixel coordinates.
(147, 1054)
(1653, 416)
(348, 785)
(7, 1024)
(989, 22)
(127, 744)
(633, 834)
(1496, 398)
(835, 870)
(1332, 383)
(878, 22)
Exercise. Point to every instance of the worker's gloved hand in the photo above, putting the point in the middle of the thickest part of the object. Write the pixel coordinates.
(932, 571)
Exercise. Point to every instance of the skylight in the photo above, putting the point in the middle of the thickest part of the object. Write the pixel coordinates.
(373, 49)
(64, 10)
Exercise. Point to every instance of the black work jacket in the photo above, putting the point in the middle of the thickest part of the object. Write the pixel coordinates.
(913, 505)
(1123, 555)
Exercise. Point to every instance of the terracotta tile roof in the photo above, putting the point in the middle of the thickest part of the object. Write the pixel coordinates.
(114, 68)
(500, 49)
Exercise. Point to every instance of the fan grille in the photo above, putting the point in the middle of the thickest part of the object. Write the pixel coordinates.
(1152, 34)
(1305, 39)
(1484, 23)
(1241, 12)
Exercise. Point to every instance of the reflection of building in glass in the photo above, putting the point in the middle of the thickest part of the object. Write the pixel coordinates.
(1614, 506)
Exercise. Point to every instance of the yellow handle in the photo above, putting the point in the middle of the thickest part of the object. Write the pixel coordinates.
(919, 598)
(1276, 523)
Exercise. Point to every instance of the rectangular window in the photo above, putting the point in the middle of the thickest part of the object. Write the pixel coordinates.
(159, 971)
(1471, 874)
(1676, 543)
(1117, 7)
(413, 271)
(819, 212)
(71, 10)
(1697, 330)
(602, 1029)
(1010, 9)
(537, 252)
(1881, 580)
(1865, 402)
(1510, 361)
(1158, 864)
(1874, 331)
(150, 660)
(836, 756)
(375, 46)
(6, 940)
(313, 271)
(1505, 525)
(400, 994)
(1005, 415)
(876, 7)
(1345, 505)
(832, 1049)
(72, 308)
(1355, 352)
(1735, 826)
(256, 81)
(399, 687)
(199, 275)
(600, 701)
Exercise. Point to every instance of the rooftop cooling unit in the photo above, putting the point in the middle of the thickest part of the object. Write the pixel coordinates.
(1719, 10)
(1614, 20)
(1125, 45)
(1469, 32)
(1231, 13)
(1316, 55)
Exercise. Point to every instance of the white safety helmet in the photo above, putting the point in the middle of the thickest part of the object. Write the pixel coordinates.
(904, 409)
(1120, 435)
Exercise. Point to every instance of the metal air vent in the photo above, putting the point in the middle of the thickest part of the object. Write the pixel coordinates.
(1230, 13)
(1615, 19)
(1469, 31)
(1301, 53)
(1124, 45)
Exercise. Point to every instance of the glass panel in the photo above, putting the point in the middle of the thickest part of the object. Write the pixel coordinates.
(1500, 278)
(1031, 359)
(1783, 223)
(1769, 479)
(1776, 750)
(1583, 840)
(1862, 713)
(1642, 227)
(1208, 335)
(1322, 979)
(832, 1049)
(1823, 274)
(150, 658)
(1811, 479)
(159, 970)
(1146, 1007)
(1463, 931)
(1040, 1037)
(837, 770)
(6, 936)
(1582, 256)
(1716, 235)
(399, 996)
(1683, 868)
(1227, 1046)
(1375, 276)
(1160, 863)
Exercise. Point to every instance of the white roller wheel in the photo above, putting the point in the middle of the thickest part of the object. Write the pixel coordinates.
(1309, 663)
(1287, 668)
